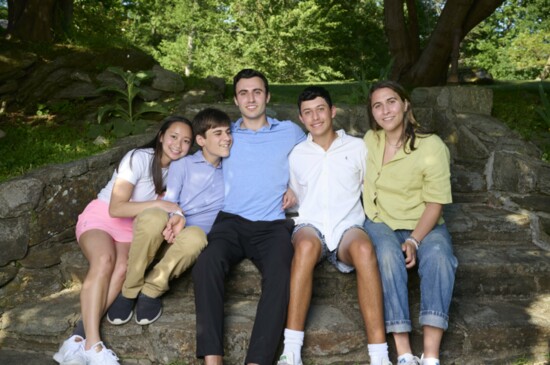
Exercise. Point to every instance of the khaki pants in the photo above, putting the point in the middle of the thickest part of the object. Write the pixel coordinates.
(175, 258)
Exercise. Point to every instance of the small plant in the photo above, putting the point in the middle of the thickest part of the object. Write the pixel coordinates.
(544, 109)
(124, 116)
(361, 94)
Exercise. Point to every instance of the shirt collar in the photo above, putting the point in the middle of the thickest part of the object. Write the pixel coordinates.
(339, 137)
(270, 123)
(198, 157)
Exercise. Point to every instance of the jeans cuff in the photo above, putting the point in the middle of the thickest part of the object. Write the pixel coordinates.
(398, 326)
(434, 319)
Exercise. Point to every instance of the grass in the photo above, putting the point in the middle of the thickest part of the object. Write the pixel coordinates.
(50, 135)
(31, 142)
(515, 104)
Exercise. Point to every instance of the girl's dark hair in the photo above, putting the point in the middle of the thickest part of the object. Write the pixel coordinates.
(156, 145)
(411, 127)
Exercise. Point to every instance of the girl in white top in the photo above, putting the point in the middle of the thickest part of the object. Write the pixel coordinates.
(104, 233)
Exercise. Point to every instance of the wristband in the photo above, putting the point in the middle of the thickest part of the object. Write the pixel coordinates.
(177, 212)
(414, 241)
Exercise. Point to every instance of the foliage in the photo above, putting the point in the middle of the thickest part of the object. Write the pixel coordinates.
(544, 109)
(27, 146)
(124, 116)
(308, 40)
(515, 104)
(513, 42)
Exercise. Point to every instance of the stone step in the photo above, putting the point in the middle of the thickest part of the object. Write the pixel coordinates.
(484, 270)
(480, 332)
(483, 222)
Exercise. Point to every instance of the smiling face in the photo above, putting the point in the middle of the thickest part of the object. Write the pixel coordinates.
(176, 141)
(388, 109)
(251, 98)
(216, 144)
(316, 115)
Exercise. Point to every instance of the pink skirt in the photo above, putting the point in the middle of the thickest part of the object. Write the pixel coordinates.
(96, 216)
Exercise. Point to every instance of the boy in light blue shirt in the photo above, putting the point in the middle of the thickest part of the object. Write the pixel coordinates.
(196, 184)
(251, 225)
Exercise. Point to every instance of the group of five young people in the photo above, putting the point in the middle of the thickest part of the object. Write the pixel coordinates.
(215, 217)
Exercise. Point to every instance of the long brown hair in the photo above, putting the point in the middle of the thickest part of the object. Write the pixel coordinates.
(411, 127)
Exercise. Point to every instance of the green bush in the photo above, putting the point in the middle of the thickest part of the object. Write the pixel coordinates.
(124, 116)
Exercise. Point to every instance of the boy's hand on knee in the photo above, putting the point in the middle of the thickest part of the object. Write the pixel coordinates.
(174, 226)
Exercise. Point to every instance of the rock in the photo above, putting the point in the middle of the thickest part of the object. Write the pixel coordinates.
(168, 81)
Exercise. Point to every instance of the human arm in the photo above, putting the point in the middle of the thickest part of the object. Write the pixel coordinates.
(289, 199)
(120, 205)
(426, 223)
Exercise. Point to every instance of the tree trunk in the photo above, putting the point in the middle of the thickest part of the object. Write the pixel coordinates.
(39, 20)
(430, 66)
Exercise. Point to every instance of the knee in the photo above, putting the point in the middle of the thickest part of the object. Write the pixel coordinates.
(306, 250)
(149, 218)
(192, 236)
(103, 265)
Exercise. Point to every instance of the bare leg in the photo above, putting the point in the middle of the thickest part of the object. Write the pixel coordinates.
(100, 251)
(402, 343)
(213, 360)
(119, 272)
(432, 341)
(357, 250)
(307, 251)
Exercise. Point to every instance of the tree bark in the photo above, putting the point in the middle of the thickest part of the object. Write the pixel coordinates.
(430, 66)
(38, 20)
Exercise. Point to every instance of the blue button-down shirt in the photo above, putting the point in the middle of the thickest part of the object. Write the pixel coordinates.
(256, 172)
(197, 187)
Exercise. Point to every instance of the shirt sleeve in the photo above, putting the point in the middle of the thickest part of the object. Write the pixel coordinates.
(174, 181)
(437, 176)
(132, 167)
(299, 133)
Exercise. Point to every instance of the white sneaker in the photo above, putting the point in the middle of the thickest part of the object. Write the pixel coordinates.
(102, 357)
(288, 359)
(71, 352)
(413, 361)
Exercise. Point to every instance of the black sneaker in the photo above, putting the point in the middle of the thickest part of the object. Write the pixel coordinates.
(121, 310)
(148, 309)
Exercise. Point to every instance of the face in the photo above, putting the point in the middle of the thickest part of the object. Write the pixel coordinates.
(216, 144)
(388, 110)
(176, 142)
(251, 98)
(317, 116)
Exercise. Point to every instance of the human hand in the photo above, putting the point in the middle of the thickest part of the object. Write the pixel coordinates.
(289, 199)
(167, 206)
(410, 254)
(173, 227)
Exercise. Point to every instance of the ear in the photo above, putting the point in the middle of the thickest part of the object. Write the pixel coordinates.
(333, 112)
(235, 100)
(267, 98)
(201, 141)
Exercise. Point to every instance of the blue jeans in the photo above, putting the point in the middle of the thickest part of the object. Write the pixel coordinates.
(436, 268)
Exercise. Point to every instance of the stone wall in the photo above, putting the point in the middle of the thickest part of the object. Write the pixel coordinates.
(38, 211)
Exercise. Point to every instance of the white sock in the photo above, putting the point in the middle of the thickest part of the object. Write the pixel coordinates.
(430, 361)
(378, 353)
(293, 343)
(407, 356)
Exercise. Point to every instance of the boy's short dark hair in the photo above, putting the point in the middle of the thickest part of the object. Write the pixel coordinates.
(312, 92)
(249, 73)
(209, 118)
